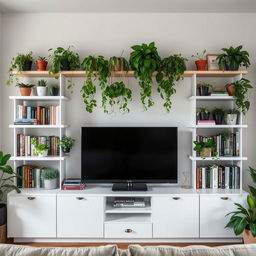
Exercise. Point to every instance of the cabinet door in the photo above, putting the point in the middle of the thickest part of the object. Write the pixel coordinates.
(31, 216)
(79, 216)
(175, 216)
(213, 209)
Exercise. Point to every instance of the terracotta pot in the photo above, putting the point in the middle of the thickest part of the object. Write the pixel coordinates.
(3, 234)
(206, 152)
(201, 64)
(230, 89)
(25, 91)
(248, 237)
(41, 65)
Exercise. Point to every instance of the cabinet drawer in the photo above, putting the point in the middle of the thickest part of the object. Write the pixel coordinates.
(128, 230)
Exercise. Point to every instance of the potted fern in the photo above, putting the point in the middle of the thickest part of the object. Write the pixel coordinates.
(41, 88)
(50, 177)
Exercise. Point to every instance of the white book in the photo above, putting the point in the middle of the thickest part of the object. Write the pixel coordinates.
(203, 170)
(38, 174)
(237, 143)
(227, 169)
(215, 177)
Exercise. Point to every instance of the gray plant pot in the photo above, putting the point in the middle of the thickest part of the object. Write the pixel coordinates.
(51, 184)
(231, 119)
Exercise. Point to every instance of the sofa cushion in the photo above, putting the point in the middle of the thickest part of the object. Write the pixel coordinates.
(194, 250)
(18, 250)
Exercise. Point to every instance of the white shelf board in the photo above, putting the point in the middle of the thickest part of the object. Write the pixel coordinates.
(37, 158)
(37, 126)
(124, 218)
(52, 98)
(219, 126)
(221, 192)
(221, 158)
(211, 98)
(111, 209)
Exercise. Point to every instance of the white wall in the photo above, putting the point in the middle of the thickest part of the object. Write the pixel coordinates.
(109, 34)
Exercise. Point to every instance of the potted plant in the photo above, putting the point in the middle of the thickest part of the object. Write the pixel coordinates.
(205, 148)
(204, 88)
(41, 88)
(170, 71)
(203, 113)
(50, 177)
(66, 143)
(6, 182)
(25, 89)
(239, 90)
(201, 61)
(231, 116)
(243, 220)
(22, 62)
(54, 89)
(116, 94)
(63, 59)
(233, 58)
(41, 63)
(218, 115)
(40, 149)
(118, 64)
(144, 60)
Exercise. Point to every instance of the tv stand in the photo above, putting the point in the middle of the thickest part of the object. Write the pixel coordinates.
(129, 186)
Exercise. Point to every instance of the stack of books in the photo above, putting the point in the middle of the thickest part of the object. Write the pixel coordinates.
(72, 184)
(206, 122)
(122, 202)
(219, 93)
(25, 121)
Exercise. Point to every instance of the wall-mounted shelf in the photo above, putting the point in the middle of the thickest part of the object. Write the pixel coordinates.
(37, 158)
(37, 126)
(217, 158)
(45, 98)
(211, 98)
(220, 126)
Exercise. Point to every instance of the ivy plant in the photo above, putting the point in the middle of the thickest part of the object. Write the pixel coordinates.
(171, 71)
(118, 64)
(144, 60)
(116, 94)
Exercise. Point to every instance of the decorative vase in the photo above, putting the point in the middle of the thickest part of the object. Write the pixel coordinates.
(66, 150)
(230, 89)
(218, 118)
(204, 116)
(41, 91)
(41, 65)
(43, 153)
(27, 65)
(248, 237)
(51, 184)
(54, 91)
(201, 64)
(24, 91)
(3, 212)
(203, 90)
(206, 152)
(231, 119)
(64, 65)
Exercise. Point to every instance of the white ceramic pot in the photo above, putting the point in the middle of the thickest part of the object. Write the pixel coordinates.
(231, 119)
(41, 91)
(43, 153)
(51, 184)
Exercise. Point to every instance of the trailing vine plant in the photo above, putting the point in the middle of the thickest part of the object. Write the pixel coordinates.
(116, 94)
(170, 72)
(118, 64)
(144, 60)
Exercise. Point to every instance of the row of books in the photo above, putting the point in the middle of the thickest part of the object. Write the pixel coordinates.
(224, 177)
(226, 144)
(25, 148)
(49, 115)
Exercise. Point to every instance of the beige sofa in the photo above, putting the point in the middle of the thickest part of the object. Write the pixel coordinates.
(133, 250)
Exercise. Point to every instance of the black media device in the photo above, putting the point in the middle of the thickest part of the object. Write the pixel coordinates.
(129, 157)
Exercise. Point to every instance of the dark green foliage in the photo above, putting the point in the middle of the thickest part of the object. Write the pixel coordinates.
(171, 71)
(218, 111)
(118, 63)
(201, 145)
(22, 85)
(144, 60)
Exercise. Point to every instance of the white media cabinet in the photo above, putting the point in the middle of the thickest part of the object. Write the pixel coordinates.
(171, 214)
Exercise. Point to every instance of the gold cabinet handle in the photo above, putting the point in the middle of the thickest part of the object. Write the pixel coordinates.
(80, 198)
(176, 198)
(224, 198)
(31, 198)
(128, 230)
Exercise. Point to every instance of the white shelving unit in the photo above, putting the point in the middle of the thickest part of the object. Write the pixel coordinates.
(197, 129)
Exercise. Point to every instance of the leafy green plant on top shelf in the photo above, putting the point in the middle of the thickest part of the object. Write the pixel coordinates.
(66, 143)
(22, 62)
(170, 72)
(94, 67)
(206, 148)
(144, 60)
(116, 94)
(118, 64)
(233, 58)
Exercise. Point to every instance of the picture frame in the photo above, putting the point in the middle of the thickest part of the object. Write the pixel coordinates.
(212, 62)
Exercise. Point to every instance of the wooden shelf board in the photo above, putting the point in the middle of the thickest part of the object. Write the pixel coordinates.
(37, 126)
(52, 98)
(218, 158)
(37, 158)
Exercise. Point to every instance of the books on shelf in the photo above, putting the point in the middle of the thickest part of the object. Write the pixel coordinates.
(25, 148)
(219, 93)
(218, 176)
(206, 122)
(72, 184)
(25, 121)
(44, 115)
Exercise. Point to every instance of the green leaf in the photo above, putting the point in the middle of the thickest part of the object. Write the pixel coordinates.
(240, 225)
(250, 202)
(253, 229)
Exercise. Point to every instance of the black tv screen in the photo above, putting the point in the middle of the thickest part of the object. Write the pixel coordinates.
(136, 154)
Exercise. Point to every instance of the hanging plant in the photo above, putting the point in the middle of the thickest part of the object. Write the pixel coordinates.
(171, 71)
(116, 94)
(144, 60)
(118, 64)
(93, 66)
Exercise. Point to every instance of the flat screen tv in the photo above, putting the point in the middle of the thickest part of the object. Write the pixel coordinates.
(129, 155)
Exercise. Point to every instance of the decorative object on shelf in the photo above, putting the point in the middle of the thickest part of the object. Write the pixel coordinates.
(22, 62)
(218, 115)
(186, 180)
(66, 143)
(204, 88)
(231, 116)
(41, 88)
(54, 90)
(244, 220)
(205, 148)
(63, 59)
(241, 88)
(170, 71)
(118, 64)
(144, 60)
(203, 113)
(212, 62)
(230, 88)
(201, 61)
(116, 94)
(25, 89)
(233, 58)
(41, 63)
(40, 149)
(50, 177)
